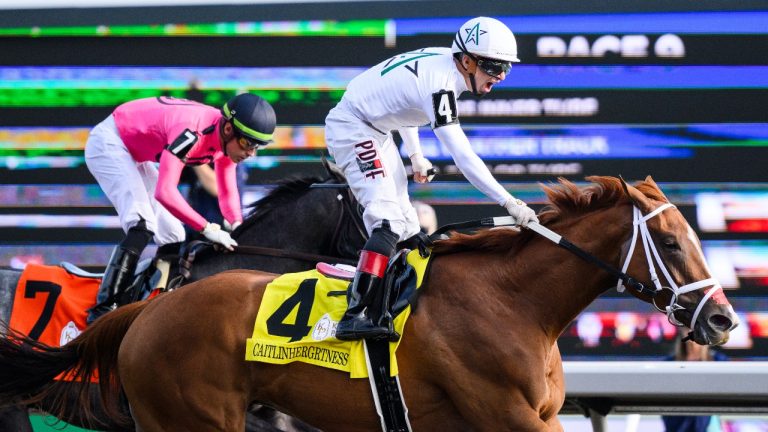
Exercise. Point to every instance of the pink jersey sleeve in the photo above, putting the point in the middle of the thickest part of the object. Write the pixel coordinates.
(167, 192)
(229, 197)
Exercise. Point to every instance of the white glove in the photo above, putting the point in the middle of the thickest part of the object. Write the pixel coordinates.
(214, 233)
(522, 214)
(421, 166)
(232, 227)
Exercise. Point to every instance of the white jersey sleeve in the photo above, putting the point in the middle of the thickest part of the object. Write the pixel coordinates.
(470, 164)
(411, 143)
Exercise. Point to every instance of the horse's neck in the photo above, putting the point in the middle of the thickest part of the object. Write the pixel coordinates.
(567, 283)
(541, 287)
(306, 229)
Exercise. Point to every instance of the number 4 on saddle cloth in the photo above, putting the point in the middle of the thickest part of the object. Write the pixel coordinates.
(298, 315)
(297, 321)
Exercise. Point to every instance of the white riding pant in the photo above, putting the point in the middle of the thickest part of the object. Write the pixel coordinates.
(128, 184)
(374, 170)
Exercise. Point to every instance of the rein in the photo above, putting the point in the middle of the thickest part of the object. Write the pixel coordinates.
(347, 212)
(282, 253)
(640, 226)
(554, 238)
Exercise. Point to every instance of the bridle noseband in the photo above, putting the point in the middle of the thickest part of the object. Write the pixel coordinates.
(639, 224)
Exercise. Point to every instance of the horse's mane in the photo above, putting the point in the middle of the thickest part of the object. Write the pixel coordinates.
(566, 200)
(285, 191)
(288, 190)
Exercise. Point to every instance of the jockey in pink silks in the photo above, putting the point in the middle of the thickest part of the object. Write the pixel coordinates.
(137, 155)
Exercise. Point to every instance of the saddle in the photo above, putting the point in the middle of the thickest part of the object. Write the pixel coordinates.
(146, 276)
(77, 271)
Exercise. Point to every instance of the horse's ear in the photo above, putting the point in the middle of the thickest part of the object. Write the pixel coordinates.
(649, 181)
(326, 165)
(334, 170)
(638, 199)
(624, 185)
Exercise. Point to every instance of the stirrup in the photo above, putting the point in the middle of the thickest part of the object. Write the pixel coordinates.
(360, 335)
(97, 311)
(363, 328)
(164, 268)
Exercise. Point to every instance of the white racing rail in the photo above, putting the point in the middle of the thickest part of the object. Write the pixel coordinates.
(599, 388)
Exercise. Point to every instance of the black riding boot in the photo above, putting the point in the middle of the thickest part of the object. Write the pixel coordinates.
(357, 322)
(120, 271)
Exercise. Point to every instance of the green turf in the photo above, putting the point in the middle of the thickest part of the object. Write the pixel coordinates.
(46, 423)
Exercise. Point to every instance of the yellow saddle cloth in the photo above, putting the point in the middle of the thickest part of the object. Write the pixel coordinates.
(297, 322)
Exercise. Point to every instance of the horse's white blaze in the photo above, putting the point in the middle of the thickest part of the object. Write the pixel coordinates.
(695, 241)
(640, 229)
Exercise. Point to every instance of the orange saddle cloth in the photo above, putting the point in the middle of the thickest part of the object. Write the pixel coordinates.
(51, 304)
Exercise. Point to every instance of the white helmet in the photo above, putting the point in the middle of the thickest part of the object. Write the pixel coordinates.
(486, 37)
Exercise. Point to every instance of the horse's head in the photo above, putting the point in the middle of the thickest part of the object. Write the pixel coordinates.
(312, 214)
(664, 247)
(351, 234)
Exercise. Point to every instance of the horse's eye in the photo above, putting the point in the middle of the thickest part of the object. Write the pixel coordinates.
(671, 244)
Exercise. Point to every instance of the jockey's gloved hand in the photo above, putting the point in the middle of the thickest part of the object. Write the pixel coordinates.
(522, 214)
(214, 233)
(231, 227)
(421, 167)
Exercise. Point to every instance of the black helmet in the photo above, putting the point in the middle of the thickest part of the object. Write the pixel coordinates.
(252, 117)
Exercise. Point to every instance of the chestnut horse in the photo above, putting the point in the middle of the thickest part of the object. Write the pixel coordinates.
(479, 353)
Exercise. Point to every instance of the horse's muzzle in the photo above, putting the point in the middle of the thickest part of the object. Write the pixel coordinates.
(716, 331)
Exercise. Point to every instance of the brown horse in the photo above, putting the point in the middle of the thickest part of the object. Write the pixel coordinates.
(479, 353)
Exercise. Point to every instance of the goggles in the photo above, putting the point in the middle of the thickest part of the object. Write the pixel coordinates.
(247, 143)
(493, 68)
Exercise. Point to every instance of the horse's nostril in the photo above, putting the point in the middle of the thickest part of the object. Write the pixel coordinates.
(720, 322)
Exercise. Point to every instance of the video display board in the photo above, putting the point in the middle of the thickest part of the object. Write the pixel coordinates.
(679, 94)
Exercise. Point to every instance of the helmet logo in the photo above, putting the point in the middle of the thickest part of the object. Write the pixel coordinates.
(473, 34)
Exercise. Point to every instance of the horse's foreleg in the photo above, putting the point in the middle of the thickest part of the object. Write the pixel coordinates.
(528, 420)
(181, 362)
(189, 414)
(555, 425)
(189, 391)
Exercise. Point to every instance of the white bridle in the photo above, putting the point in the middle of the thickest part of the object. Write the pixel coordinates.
(651, 254)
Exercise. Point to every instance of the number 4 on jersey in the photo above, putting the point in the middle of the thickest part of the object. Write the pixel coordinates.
(444, 103)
